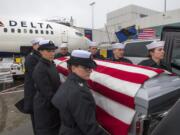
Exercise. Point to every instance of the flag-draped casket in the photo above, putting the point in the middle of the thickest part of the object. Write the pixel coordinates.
(114, 86)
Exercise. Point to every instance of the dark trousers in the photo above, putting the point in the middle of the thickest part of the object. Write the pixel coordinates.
(33, 123)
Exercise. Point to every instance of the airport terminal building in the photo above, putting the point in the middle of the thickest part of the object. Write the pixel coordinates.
(128, 16)
(141, 18)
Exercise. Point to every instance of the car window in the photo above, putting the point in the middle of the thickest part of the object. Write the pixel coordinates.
(176, 52)
(176, 48)
(137, 49)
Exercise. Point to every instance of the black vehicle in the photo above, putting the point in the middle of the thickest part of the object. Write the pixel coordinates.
(171, 36)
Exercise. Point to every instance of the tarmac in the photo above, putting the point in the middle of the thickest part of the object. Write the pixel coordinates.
(13, 122)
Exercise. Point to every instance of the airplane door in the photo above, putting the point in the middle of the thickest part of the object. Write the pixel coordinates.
(64, 37)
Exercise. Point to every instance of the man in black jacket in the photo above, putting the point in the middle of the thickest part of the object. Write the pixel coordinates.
(118, 53)
(47, 81)
(93, 48)
(29, 91)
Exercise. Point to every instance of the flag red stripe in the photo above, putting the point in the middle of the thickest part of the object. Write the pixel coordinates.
(123, 75)
(151, 34)
(62, 58)
(111, 124)
(143, 38)
(111, 94)
(140, 36)
(62, 70)
(148, 31)
(157, 70)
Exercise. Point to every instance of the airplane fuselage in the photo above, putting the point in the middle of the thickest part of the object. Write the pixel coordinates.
(18, 33)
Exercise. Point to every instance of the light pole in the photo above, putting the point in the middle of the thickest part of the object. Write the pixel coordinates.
(92, 5)
(164, 6)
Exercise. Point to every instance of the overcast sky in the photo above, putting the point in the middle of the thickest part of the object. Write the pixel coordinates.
(80, 10)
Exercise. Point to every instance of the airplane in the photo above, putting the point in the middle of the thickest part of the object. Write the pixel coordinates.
(16, 35)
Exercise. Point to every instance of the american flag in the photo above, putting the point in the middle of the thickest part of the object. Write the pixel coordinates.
(114, 86)
(147, 33)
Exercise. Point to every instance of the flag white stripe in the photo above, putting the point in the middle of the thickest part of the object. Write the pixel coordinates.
(127, 68)
(114, 108)
(62, 64)
(124, 87)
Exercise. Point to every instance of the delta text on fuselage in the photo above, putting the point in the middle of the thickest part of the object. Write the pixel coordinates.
(24, 24)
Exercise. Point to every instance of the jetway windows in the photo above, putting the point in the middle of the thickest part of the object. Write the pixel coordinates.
(19, 30)
(30, 31)
(12, 30)
(25, 31)
(36, 31)
(5, 30)
(42, 32)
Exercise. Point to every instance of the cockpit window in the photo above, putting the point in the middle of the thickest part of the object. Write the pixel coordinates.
(79, 34)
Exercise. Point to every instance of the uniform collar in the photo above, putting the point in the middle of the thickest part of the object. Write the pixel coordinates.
(114, 59)
(153, 62)
(73, 76)
(48, 62)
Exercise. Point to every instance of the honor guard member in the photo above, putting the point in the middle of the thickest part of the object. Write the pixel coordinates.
(63, 51)
(156, 54)
(29, 90)
(93, 48)
(118, 53)
(74, 99)
(47, 81)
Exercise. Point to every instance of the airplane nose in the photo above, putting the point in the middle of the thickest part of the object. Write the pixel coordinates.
(85, 42)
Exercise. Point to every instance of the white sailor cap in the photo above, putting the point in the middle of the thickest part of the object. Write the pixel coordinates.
(118, 46)
(36, 40)
(81, 57)
(155, 44)
(46, 45)
(93, 44)
(64, 45)
(81, 54)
